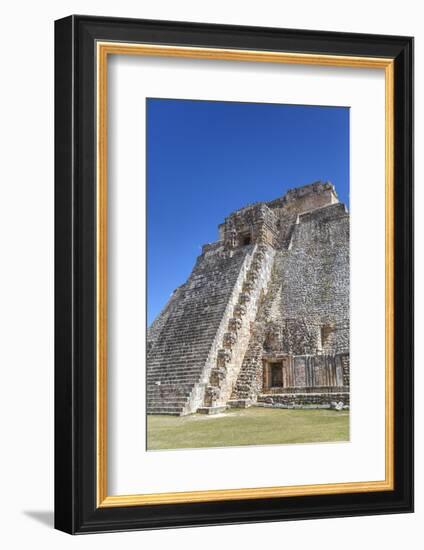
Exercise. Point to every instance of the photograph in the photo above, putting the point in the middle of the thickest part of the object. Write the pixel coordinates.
(248, 274)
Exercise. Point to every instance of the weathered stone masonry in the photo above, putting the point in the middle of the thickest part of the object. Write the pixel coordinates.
(264, 316)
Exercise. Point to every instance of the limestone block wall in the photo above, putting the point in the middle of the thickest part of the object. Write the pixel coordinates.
(306, 309)
(256, 222)
(314, 300)
(301, 372)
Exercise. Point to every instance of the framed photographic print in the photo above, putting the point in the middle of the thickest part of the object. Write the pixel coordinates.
(233, 274)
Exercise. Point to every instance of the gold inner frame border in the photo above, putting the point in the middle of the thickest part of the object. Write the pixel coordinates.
(103, 50)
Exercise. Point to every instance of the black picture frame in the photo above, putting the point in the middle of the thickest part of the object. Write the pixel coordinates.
(76, 508)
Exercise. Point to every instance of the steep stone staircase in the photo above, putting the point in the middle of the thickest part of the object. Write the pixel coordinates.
(177, 362)
(249, 380)
(235, 342)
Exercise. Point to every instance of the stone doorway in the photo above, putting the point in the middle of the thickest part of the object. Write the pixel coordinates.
(276, 375)
(246, 238)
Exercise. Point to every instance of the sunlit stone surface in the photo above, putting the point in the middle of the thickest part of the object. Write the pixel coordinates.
(264, 316)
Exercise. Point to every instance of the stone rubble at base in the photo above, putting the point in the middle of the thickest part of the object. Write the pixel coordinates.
(264, 317)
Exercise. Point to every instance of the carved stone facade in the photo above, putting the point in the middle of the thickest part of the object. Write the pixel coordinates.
(264, 316)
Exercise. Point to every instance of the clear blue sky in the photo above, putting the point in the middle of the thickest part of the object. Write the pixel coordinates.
(208, 158)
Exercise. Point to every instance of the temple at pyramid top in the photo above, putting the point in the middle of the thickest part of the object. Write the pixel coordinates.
(272, 221)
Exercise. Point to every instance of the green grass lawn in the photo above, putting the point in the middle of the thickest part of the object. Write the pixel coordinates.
(253, 426)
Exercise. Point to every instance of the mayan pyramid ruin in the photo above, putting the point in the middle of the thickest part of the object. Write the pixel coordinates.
(264, 317)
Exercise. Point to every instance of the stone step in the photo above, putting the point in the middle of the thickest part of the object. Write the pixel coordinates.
(165, 383)
(167, 372)
(175, 372)
(181, 392)
(174, 396)
(176, 384)
(173, 358)
(167, 403)
(166, 394)
(194, 363)
(172, 384)
(170, 353)
(156, 374)
(181, 388)
(178, 341)
(174, 365)
(173, 379)
(171, 412)
(164, 403)
(201, 330)
(181, 400)
(179, 367)
(168, 397)
(170, 391)
(182, 340)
